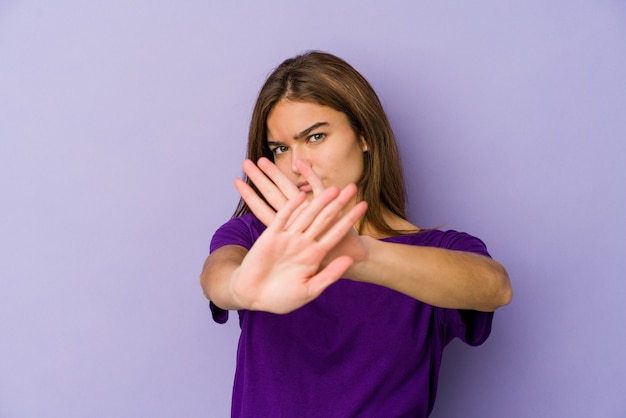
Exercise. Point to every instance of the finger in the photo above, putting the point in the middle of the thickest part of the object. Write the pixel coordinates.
(329, 275)
(257, 205)
(286, 186)
(310, 176)
(331, 213)
(344, 225)
(284, 214)
(296, 214)
(301, 221)
(266, 187)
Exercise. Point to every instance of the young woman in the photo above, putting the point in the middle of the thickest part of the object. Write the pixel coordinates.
(324, 199)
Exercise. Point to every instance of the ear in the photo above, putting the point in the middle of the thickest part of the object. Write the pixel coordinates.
(364, 146)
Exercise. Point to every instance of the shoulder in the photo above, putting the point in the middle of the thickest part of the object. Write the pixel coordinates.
(451, 240)
(242, 230)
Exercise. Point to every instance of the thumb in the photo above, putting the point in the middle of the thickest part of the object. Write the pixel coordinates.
(328, 275)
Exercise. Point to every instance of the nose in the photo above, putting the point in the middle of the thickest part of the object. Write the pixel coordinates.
(295, 156)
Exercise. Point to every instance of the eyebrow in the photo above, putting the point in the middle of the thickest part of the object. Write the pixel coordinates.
(308, 130)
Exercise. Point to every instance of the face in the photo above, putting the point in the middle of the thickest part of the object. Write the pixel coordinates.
(318, 135)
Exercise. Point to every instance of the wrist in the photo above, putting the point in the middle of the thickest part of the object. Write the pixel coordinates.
(361, 258)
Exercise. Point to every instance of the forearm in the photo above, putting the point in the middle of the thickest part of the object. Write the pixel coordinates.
(439, 277)
(217, 273)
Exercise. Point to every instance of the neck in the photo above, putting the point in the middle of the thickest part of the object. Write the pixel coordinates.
(393, 221)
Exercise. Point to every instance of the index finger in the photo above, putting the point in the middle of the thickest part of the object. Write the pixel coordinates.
(271, 191)
(310, 176)
(257, 205)
(285, 185)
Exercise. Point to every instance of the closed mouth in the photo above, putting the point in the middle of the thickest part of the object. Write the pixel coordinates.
(304, 187)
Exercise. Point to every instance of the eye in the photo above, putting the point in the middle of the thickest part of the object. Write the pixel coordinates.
(316, 137)
(279, 149)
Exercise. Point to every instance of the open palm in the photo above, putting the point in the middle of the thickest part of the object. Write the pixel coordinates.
(283, 269)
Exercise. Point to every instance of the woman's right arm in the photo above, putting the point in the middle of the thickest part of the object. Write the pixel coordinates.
(217, 274)
(283, 270)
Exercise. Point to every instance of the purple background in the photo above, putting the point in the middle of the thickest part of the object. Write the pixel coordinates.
(122, 126)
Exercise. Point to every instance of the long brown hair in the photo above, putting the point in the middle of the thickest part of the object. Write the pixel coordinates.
(327, 80)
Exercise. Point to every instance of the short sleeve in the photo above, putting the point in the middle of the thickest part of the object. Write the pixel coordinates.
(240, 231)
(472, 327)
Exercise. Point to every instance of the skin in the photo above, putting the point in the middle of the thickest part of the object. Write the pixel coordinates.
(327, 142)
(311, 241)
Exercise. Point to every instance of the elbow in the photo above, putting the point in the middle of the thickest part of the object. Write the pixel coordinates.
(497, 291)
(204, 283)
(502, 290)
(505, 295)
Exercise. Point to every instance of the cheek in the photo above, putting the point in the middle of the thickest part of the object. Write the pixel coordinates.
(347, 168)
(284, 166)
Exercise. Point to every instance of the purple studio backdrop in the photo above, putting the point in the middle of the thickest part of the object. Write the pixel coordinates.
(123, 125)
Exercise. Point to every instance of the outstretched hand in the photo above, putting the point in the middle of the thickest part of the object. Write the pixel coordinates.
(283, 269)
(278, 189)
(274, 186)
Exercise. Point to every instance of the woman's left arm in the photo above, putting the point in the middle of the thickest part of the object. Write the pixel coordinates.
(437, 276)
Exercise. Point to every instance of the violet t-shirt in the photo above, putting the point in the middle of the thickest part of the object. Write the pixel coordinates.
(358, 350)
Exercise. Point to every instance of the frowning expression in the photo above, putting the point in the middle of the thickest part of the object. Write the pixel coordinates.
(320, 136)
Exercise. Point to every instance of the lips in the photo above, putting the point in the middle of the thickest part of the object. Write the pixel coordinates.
(305, 187)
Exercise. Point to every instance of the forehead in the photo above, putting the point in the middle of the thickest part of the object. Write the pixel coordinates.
(291, 117)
